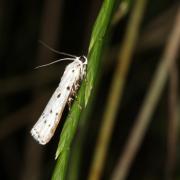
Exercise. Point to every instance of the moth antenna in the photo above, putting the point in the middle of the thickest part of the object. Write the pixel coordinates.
(44, 65)
(55, 51)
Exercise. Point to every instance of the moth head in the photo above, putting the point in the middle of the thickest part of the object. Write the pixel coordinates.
(83, 59)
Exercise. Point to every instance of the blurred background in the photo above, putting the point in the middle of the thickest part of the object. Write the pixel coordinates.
(66, 26)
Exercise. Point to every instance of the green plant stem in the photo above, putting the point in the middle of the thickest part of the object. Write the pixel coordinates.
(150, 102)
(97, 42)
(172, 125)
(116, 90)
(75, 162)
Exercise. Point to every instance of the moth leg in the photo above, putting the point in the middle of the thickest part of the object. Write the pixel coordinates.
(75, 89)
(79, 106)
(77, 86)
(69, 102)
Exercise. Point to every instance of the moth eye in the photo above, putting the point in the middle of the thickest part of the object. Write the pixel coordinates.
(82, 59)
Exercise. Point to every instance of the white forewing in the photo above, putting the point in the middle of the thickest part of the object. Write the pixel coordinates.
(45, 127)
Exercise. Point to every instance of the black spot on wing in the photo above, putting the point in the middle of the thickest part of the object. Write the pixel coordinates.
(58, 95)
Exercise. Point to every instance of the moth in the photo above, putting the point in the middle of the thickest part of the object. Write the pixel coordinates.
(74, 73)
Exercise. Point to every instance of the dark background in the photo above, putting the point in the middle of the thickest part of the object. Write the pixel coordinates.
(66, 26)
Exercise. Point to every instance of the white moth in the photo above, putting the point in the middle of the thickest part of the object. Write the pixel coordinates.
(74, 73)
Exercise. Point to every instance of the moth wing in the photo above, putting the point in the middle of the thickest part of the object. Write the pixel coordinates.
(45, 127)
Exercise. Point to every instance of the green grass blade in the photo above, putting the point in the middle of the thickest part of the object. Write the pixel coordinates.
(95, 50)
(97, 42)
